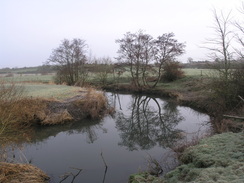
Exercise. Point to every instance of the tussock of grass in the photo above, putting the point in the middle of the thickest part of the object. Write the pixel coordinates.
(15, 173)
(57, 118)
(94, 104)
(16, 111)
(21, 113)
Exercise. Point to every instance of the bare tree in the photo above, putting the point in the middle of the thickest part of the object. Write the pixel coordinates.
(220, 44)
(69, 58)
(228, 84)
(166, 50)
(136, 49)
(240, 34)
(140, 51)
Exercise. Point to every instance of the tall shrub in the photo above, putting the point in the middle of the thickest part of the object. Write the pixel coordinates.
(172, 71)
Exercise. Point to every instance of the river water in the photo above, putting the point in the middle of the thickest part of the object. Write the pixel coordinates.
(142, 128)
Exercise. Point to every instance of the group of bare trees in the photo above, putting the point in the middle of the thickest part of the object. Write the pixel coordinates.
(146, 55)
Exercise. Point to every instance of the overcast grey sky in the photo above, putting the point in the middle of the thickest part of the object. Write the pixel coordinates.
(30, 29)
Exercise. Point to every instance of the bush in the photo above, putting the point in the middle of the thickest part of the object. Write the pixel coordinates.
(172, 71)
(226, 90)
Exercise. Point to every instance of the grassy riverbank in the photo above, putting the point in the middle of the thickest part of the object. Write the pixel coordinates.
(191, 90)
(48, 105)
(23, 106)
(219, 158)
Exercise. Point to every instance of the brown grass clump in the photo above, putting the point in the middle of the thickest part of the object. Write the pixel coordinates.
(15, 173)
(57, 118)
(21, 113)
(94, 104)
(16, 111)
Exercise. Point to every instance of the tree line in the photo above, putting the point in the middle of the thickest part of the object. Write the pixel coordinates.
(145, 56)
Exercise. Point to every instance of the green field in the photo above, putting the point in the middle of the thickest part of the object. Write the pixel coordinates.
(51, 90)
(36, 78)
(197, 72)
(37, 85)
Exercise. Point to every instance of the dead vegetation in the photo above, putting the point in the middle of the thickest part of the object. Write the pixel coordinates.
(18, 112)
(94, 104)
(15, 173)
(91, 104)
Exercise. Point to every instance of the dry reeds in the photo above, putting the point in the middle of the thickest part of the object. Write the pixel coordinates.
(17, 112)
(15, 173)
(57, 118)
(94, 104)
(21, 113)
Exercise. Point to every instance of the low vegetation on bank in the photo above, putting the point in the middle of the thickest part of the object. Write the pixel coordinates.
(219, 158)
(19, 111)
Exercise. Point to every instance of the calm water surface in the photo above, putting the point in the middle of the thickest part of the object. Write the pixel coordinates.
(142, 127)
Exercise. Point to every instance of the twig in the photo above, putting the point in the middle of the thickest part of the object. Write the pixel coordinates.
(65, 176)
(241, 98)
(104, 161)
(235, 117)
(106, 167)
(154, 166)
(74, 176)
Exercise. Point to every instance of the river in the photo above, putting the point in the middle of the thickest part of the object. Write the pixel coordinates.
(142, 128)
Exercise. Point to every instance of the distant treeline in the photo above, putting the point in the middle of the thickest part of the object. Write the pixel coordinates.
(45, 69)
(211, 65)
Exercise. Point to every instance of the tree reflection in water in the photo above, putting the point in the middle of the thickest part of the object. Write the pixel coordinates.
(150, 122)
